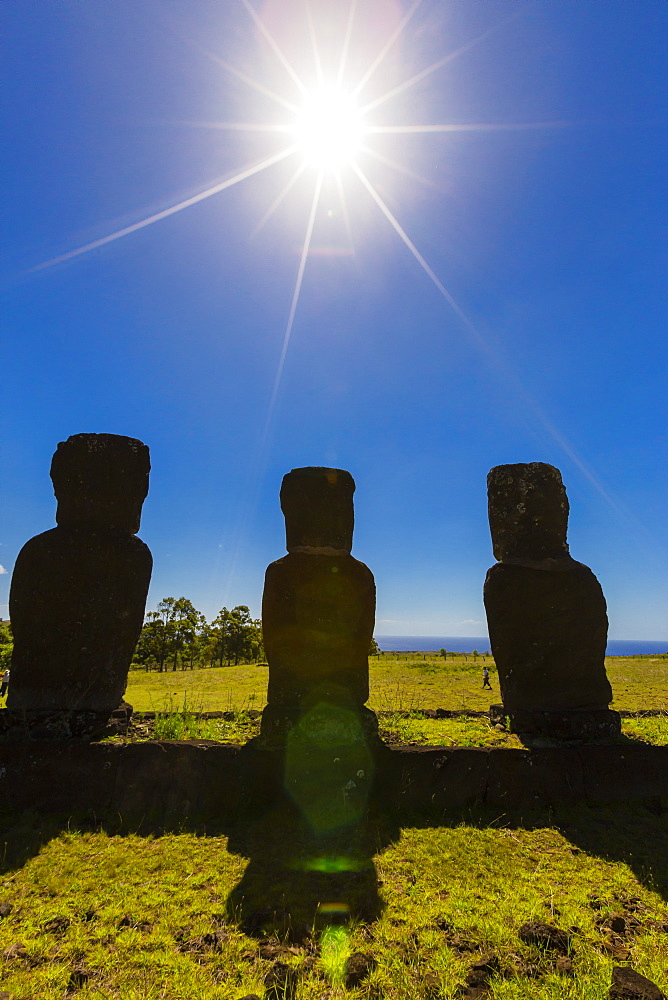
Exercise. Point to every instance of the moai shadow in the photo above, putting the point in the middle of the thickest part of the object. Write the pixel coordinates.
(546, 612)
(303, 877)
(78, 593)
(311, 854)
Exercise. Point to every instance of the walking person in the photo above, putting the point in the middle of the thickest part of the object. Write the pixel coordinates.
(5, 683)
(485, 678)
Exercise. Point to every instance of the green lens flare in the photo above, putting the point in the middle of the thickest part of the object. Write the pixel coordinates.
(328, 767)
(332, 865)
(334, 947)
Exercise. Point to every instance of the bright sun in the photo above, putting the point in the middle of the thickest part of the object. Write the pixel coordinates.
(329, 129)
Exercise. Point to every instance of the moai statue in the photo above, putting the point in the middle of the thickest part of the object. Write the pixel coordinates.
(546, 612)
(318, 607)
(79, 591)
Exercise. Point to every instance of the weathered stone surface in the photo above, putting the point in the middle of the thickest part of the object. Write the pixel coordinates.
(281, 982)
(240, 780)
(548, 633)
(65, 777)
(546, 612)
(630, 985)
(433, 779)
(319, 603)
(545, 936)
(40, 724)
(318, 506)
(358, 968)
(497, 715)
(636, 771)
(79, 591)
(171, 780)
(541, 777)
(318, 617)
(171, 783)
(528, 512)
(578, 724)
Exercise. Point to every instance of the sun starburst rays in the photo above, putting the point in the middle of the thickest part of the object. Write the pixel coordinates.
(297, 290)
(328, 130)
(377, 61)
(149, 220)
(274, 47)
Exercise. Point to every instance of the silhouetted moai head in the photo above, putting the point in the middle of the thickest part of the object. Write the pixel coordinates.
(528, 511)
(546, 612)
(318, 508)
(79, 590)
(100, 480)
(318, 611)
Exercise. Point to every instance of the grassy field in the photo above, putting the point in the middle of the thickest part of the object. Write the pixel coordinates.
(98, 915)
(399, 686)
(395, 728)
(397, 682)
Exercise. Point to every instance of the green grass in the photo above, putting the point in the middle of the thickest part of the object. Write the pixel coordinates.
(396, 683)
(221, 689)
(400, 686)
(465, 731)
(470, 731)
(145, 918)
(101, 916)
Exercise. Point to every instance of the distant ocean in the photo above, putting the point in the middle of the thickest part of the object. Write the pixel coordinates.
(466, 644)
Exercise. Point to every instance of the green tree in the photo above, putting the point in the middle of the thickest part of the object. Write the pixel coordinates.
(256, 640)
(173, 631)
(6, 645)
(185, 620)
(151, 641)
(219, 633)
(196, 648)
(166, 614)
(374, 649)
(241, 633)
(234, 636)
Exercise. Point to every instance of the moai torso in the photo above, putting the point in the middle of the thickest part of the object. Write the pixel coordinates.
(318, 606)
(546, 612)
(79, 591)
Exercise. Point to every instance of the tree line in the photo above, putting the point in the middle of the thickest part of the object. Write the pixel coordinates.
(6, 645)
(177, 635)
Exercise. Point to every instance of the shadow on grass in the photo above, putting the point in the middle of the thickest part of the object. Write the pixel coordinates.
(311, 855)
(298, 881)
(312, 828)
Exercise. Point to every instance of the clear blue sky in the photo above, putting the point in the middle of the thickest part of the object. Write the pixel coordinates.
(550, 239)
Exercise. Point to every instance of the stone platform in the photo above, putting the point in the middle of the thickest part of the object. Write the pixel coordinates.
(172, 783)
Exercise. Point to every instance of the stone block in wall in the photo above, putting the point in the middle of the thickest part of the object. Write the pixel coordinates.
(434, 780)
(624, 773)
(239, 782)
(58, 778)
(159, 781)
(537, 777)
